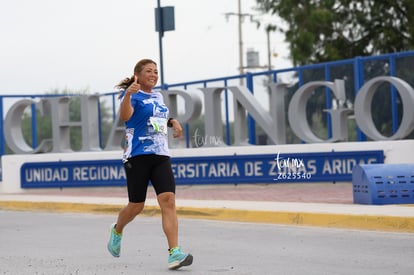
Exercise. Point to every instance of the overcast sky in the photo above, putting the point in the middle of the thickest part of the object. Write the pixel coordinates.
(93, 44)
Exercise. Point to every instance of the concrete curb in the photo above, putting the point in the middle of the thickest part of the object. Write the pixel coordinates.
(300, 218)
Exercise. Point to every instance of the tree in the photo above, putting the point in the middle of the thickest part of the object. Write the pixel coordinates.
(319, 31)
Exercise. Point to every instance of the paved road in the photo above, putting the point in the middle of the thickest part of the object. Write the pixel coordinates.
(290, 192)
(64, 243)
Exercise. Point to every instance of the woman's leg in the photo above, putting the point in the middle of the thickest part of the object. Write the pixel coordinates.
(163, 181)
(127, 214)
(138, 172)
(166, 201)
(176, 258)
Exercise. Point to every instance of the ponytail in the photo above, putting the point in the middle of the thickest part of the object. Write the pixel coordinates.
(124, 84)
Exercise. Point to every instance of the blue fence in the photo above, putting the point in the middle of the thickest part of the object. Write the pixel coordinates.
(356, 71)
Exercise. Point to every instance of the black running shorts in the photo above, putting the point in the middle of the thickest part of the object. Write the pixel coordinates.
(143, 169)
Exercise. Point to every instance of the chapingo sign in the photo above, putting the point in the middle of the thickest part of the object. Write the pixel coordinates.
(272, 122)
(263, 168)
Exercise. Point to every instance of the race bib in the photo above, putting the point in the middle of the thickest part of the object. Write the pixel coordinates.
(159, 124)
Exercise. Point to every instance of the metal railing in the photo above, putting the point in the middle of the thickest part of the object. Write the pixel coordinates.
(355, 70)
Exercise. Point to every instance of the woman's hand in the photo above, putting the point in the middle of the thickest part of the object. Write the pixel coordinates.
(127, 110)
(134, 87)
(178, 131)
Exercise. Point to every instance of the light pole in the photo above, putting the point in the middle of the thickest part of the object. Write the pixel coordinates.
(240, 16)
(240, 42)
(159, 22)
(269, 55)
(164, 21)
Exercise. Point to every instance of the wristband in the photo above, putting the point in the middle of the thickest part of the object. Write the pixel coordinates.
(169, 124)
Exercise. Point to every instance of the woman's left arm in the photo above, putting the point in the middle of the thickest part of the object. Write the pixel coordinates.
(175, 124)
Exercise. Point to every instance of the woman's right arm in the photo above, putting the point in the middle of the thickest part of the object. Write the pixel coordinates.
(126, 109)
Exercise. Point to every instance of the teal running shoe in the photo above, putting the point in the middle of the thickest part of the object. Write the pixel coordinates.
(114, 244)
(178, 259)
